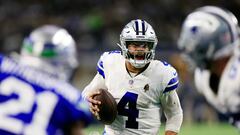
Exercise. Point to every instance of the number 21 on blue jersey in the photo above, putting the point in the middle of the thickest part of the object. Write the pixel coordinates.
(27, 97)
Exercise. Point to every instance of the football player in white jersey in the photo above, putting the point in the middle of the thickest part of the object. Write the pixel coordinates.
(142, 87)
(210, 38)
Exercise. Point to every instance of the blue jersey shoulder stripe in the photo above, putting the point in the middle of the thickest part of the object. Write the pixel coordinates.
(100, 63)
(167, 89)
(100, 68)
(101, 72)
(173, 80)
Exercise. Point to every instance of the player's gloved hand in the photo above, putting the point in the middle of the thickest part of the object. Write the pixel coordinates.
(94, 104)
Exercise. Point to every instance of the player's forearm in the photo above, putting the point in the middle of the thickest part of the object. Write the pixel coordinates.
(174, 122)
(214, 100)
(211, 97)
(173, 112)
(96, 83)
(170, 133)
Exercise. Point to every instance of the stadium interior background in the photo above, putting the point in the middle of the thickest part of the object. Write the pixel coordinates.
(96, 25)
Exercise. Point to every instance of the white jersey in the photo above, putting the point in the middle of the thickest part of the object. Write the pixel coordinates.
(227, 99)
(140, 98)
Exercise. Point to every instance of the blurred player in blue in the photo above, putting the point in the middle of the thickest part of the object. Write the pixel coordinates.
(210, 40)
(142, 87)
(35, 95)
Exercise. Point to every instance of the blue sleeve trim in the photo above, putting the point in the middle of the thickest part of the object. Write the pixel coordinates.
(100, 68)
(167, 89)
(100, 63)
(101, 72)
(173, 80)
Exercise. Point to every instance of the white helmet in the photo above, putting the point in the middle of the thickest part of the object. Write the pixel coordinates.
(51, 49)
(208, 33)
(138, 31)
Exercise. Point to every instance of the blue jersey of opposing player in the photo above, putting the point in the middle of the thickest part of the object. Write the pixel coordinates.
(35, 103)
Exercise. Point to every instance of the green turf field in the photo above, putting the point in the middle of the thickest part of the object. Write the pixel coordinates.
(193, 129)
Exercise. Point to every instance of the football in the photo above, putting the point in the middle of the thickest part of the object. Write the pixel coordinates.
(108, 107)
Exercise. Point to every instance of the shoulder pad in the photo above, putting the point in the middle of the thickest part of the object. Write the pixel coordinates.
(104, 57)
(171, 77)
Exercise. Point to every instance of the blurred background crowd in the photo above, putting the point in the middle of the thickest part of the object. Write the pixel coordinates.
(96, 25)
